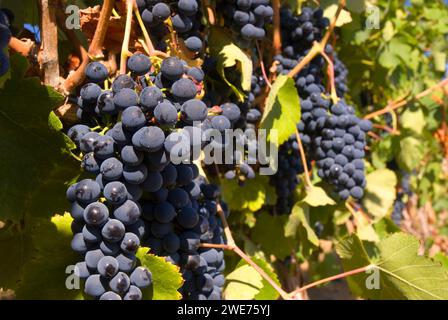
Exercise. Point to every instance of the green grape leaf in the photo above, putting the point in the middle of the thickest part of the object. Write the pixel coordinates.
(413, 120)
(299, 224)
(380, 192)
(411, 153)
(397, 272)
(252, 195)
(282, 111)
(269, 233)
(35, 150)
(47, 273)
(385, 227)
(230, 55)
(316, 196)
(442, 258)
(245, 283)
(166, 277)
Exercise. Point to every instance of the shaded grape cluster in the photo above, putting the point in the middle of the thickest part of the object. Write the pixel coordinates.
(404, 191)
(184, 15)
(6, 19)
(249, 18)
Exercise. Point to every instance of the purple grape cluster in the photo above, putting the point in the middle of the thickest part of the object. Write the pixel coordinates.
(185, 16)
(248, 18)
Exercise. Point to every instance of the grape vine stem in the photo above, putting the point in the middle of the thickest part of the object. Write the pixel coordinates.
(403, 101)
(330, 71)
(277, 39)
(332, 278)
(309, 184)
(96, 46)
(127, 35)
(231, 246)
(23, 47)
(48, 58)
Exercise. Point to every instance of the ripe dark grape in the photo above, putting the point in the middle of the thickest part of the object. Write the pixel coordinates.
(96, 72)
(139, 63)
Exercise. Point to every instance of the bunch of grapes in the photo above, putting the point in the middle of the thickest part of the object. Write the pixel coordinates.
(185, 18)
(144, 176)
(399, 205)
(339, 149)
(107, 233)
(247, 17)
(340, 76)
(6, 18)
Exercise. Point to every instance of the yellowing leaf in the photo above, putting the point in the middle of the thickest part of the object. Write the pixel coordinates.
(413, 120)
(380, 192)
(344, 17)
(317, 196)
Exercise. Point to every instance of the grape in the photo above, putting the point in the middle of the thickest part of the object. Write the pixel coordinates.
(120, 283)
(178, 198)
(194, 110)
(148, 18)
(103, 147)
(171, 243)
(139, 228)
(94, 286)
(78, 244)
(165, 113)
(148, 139)
(81, 270)
(125, 98)
(113, 230)
(128, 213)
(108, 266)
(115, 192)
(135, 174)
(126, 262)
(96, 72)
(130, 156)
(109, 295)
(172, 68)
(221, 123)
(189, 241)
(91, 234)
(231, 111)
(250, 32)
(184, 89)
(90, 93)
(87, 191)
(187, 7)
(135, 192)
(92, 257)
(139, 63)
(105, 103)
(161, 11)
(196, 73)
(141, 277)
(121, 82)
(90, 164)
(188, 217)
(134, 293)
(164, 212)
(169, 175)
(86, 143)
(133, 118)
(193, 44)
(111, 169)
(153, 182)
(109, 248)
(130, 243)
(150, 97)
(181, 23)
(77, 132)
(77, 212)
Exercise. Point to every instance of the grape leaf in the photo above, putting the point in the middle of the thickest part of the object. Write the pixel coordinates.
(380, 192)
(269, 233)
(33, 150)
(317, 196)
(282, 111)
(411, 153)
(413, 120)
(230, 55)
(245, 283)
(252, 195)
(401, 272)
(166, 278)
(299, 224)
(44, 275)
(344, 17)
